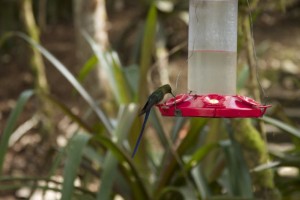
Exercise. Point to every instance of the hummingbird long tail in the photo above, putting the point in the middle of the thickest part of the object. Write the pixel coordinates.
(141, 134)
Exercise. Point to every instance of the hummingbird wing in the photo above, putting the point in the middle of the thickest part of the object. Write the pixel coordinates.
(153, 99)
(144, 108)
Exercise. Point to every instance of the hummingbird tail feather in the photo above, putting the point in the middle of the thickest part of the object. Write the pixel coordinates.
(140, 135)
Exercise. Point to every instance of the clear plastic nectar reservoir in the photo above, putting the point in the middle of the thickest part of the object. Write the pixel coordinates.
(212, 46)
(212, 66)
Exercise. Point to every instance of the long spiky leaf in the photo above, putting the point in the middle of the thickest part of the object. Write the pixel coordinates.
(67, 74)
(125, 121)
(11, 123)
(74, 154)
(283, 126)
(127, 166)
(111, 65)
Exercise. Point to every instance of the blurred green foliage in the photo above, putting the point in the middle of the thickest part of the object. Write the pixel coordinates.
(206, 163)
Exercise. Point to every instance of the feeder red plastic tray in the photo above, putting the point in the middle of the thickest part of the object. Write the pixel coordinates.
(212, 105)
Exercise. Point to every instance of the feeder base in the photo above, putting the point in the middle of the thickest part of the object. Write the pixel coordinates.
(212, 105)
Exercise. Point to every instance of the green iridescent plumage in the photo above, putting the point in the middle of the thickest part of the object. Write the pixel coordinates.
(153, 99)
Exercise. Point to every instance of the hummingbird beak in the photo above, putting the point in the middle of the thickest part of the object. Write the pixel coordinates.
(173, 95)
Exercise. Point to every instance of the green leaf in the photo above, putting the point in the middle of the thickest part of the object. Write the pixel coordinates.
(201, 182)
(109, 61)
(132, 76)
(196, 158)
(67, 74)
(56, 162)
(283, 126)
(74, 154)
(125, 121)
(199, 155)
(159, 129)
(108, 177)
(68, 112)
(134, 179)
(169, 166)
(11, 123)
(147, 48)
(239, 177)
(197, 124)
(94, 156)
(87, 67)
(137, 46)
(178, 125)
(123, 86)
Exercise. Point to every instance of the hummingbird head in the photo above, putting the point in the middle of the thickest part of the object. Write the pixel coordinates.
(167, 89)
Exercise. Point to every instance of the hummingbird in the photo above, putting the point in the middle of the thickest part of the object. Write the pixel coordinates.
(153, 99)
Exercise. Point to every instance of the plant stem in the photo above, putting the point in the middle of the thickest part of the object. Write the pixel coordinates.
(36, 59)
(252, 62)
(38, 68)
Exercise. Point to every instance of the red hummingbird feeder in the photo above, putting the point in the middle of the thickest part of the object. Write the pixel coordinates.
(212, 66)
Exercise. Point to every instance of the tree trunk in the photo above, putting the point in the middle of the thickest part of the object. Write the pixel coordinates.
(90, 16)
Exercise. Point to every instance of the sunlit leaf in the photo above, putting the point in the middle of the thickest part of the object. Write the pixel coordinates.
(109, 61)
(87, 68)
